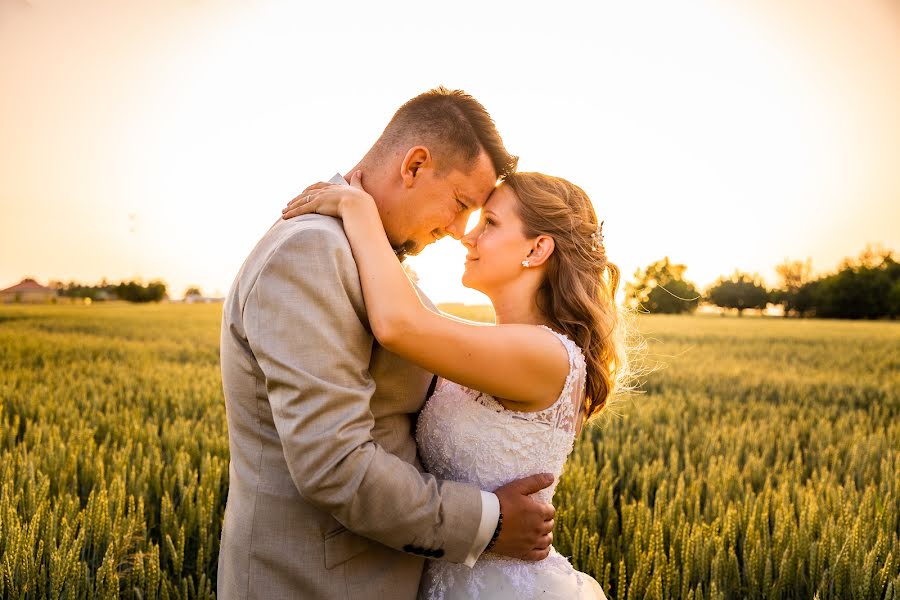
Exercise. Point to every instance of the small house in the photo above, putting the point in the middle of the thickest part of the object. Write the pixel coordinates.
(27, 291)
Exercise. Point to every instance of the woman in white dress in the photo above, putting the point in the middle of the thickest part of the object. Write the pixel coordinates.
(511, 397)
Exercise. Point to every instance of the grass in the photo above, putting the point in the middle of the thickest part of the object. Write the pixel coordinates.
(760, 461)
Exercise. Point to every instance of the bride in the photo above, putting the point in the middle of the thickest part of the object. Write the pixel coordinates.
(511, 397)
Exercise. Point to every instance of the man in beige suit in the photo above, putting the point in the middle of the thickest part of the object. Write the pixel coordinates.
(327, 498)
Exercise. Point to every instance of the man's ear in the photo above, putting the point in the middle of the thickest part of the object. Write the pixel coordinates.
(541, 249)
(417, 158)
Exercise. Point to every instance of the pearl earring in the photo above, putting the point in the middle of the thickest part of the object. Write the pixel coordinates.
(525, 263)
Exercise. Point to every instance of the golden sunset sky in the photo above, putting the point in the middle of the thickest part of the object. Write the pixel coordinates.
(160, 138)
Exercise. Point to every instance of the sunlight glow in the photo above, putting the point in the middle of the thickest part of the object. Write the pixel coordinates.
(473, 220)
(161, 138)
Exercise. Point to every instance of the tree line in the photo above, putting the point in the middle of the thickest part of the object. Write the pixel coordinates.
(130, 291)
(865, 287)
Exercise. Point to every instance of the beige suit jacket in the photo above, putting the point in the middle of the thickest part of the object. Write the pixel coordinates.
(326, 498)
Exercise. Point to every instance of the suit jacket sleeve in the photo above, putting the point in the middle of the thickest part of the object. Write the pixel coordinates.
(306, 325)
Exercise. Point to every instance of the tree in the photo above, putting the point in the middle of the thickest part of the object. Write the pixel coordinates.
(793, 275)
(135, 292)
(131, 291)
(73, 289)
(865, 287)
(193, 291)
(861, 289)
(806, 298)
(156, 291)
(871, 257)
(740, 291)
(894, 300)
(661, 288)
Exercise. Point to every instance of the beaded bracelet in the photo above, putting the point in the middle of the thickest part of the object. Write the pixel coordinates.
(496, 533)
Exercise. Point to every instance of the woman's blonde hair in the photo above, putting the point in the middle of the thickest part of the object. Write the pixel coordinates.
(578, 294)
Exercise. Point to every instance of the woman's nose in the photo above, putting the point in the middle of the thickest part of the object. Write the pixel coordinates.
(468, 240)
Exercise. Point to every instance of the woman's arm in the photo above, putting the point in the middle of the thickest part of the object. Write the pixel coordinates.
(453, 317)
(523, 366)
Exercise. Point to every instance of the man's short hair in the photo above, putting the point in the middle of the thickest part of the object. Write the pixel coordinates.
(453, 125)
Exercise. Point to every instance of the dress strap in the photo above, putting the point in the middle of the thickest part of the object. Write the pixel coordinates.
(565, 411)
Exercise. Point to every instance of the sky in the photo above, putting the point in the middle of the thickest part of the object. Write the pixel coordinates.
(161, 138)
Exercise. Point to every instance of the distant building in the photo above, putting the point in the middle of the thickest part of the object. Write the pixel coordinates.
(198, 299)
(27, 291)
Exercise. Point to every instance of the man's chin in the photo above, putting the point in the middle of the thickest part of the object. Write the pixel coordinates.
(407, 248)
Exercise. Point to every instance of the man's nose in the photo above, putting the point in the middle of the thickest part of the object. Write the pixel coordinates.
(458, 227)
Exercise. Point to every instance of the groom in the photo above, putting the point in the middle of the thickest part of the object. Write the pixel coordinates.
(327, 498)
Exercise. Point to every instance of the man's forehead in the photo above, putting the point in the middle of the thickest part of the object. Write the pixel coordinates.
(475, 191)
(476, 200)
(475, 187)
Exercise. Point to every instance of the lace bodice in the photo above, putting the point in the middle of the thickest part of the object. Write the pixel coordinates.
(465, 435)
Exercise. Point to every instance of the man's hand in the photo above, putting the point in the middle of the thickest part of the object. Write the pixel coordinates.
(527, 523)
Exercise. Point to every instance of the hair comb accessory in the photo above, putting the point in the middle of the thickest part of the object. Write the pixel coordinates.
(597, 238)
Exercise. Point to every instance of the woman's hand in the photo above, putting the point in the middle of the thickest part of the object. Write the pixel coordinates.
(328, 199)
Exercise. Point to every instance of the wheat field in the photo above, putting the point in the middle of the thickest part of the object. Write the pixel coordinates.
(761, 460)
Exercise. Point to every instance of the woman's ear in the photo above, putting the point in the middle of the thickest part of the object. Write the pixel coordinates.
(541, 249)
(416, 158)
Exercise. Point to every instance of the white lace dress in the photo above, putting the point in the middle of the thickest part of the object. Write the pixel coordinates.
(464, 435)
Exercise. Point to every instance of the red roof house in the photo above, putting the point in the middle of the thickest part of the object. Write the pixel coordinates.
(27, 290)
